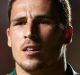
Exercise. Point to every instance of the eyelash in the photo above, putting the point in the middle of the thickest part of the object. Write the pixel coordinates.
(45, 22)
(36, 21)
(20, 23)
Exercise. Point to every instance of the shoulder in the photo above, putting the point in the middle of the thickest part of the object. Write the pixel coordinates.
(71, 71)
(12, 73)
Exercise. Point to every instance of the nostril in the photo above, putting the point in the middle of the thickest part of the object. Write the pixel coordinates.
(25, 36)
(29, 36)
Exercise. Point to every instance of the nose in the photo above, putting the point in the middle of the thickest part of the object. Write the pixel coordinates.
(28, 29)
(32, 31)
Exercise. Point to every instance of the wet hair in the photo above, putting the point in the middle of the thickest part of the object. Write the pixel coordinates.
(63, 11)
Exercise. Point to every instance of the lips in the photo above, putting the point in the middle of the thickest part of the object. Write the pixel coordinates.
(31, 50)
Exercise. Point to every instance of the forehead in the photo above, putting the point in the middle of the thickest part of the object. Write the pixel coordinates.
(34, 6)
(31, 2)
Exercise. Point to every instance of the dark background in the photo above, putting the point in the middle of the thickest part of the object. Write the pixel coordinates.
(73, 51)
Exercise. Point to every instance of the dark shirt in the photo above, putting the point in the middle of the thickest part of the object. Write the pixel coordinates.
(69, 71)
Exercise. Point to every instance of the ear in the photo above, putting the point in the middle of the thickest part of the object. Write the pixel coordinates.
(8, 37)
(68, 35)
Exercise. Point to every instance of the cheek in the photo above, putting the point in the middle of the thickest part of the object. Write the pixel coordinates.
(16, 41)
(16, 34)
(46, 31)
(16, 37)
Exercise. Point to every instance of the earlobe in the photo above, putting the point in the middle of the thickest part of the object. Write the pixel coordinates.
(68, 35)
(8, 37)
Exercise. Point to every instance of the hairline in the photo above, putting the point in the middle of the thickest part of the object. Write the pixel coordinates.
(65, 14)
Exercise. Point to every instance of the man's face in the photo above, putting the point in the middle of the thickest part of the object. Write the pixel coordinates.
(33, 35)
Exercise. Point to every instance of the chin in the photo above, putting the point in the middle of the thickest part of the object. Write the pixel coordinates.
(32, 65)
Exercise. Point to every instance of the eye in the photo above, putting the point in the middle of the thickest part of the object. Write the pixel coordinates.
(45, 21)
(21, 22)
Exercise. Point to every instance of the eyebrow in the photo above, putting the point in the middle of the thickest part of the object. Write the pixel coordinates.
(43, 17)
(39, 17)
(19, 18)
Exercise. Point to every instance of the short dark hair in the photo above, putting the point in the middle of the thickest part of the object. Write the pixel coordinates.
(10, 3)
(62, 7)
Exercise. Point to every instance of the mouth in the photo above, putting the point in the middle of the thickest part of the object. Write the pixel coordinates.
(31, 50)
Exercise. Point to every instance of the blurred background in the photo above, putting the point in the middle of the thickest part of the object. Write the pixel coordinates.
(73, 51)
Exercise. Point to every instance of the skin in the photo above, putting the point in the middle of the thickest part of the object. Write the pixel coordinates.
(31, 24)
